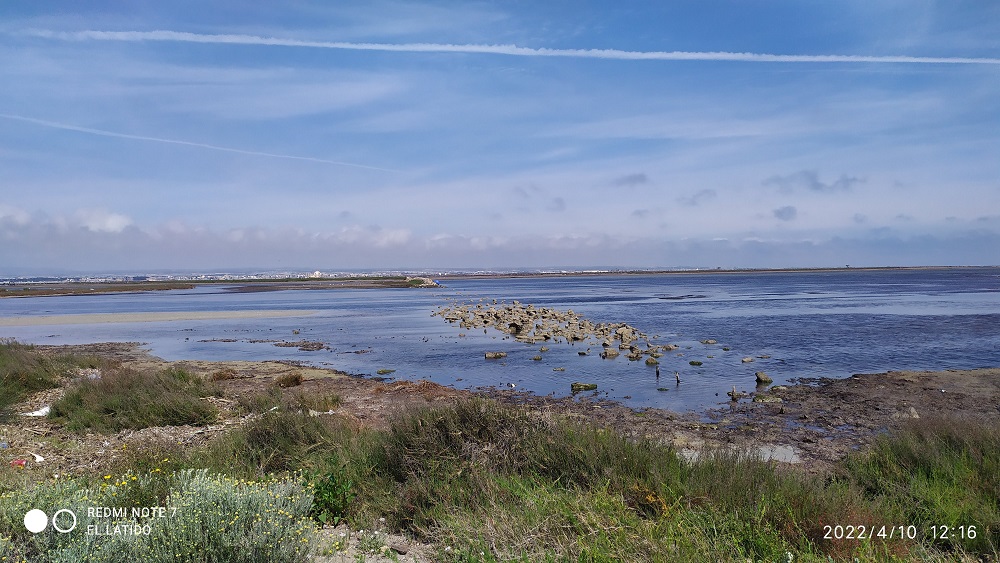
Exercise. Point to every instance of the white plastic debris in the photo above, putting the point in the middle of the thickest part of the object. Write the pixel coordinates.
(44, 411)
(38, 458)
(92, 374)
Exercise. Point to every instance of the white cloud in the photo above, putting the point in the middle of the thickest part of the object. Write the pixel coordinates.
(104, 133)
(511, 50)
(102, 220)
(14, 215)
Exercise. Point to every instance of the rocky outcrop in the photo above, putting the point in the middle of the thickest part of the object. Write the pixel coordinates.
(527, 323)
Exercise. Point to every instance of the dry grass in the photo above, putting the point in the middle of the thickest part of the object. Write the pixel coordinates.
(291, 379)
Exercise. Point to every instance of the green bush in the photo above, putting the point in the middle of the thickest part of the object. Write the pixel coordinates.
(207, 518)
(332, 493)
(24, 370)
(273, 442)
(127, 399)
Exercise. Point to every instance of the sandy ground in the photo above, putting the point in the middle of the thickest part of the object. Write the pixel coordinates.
(815, 424)
(148, 317)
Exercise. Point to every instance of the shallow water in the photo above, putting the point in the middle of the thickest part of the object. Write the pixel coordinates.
(811, 324)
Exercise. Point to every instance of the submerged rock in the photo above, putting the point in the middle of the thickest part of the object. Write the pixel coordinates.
(767, 399)
(576, 386)
(495, 355)
(763, 378)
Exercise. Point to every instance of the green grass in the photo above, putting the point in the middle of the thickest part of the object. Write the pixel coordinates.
(937, 472)
(24, 370)
(489, 482)
(126, 399)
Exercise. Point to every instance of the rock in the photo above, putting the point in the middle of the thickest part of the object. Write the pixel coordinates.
(695, 363)
(670, 347)
(651, 361)
(735, 395)
(663, 389)
(558, 369)
(385, 371)
(779, 388)
(764, 357)
(495, 355)
(725, 349)
(763, 378)
(710, 341)
(609, 353)
(766, 399)
(537, 358)
(747, 360)
(576, 386)
(543, 349)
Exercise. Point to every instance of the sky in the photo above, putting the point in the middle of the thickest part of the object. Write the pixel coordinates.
(148, 136)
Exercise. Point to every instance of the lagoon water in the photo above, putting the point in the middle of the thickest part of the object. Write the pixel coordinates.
(810, 324)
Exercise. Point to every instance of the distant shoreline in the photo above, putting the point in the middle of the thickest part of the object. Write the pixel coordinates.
(378, 281)
(570, 273)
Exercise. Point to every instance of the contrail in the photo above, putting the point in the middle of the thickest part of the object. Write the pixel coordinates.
(105, 133)
(511, 50)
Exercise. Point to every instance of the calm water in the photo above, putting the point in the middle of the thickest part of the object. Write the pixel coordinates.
(810, 324)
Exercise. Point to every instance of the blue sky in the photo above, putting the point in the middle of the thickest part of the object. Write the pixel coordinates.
(315, 135)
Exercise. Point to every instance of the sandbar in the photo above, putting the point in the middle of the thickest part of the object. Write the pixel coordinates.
(149, 317)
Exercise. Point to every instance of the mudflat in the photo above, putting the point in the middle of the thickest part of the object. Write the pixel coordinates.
(148, 317)
(811, 424)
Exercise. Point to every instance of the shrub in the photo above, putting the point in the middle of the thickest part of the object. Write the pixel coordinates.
(216, 519)
(276, 441)
(24, 370)
(127, 399)
(223, 374)
(290, 379)
(332, 493)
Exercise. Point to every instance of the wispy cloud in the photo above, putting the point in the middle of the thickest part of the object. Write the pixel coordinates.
(632, 179)
(698, 198)
(511, 50)
(786, 213)
(809, 179)
(105, 133)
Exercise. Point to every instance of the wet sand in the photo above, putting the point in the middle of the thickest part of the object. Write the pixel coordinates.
(149, 317)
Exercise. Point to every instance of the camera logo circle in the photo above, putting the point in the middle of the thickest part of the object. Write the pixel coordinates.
(36, 521)
(55, 521)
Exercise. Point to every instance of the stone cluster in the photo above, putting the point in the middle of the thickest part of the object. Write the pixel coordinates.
(530, 324)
